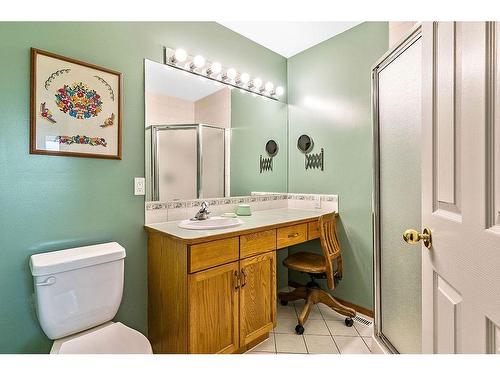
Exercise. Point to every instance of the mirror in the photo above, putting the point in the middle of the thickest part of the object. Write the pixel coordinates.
(272, 147)
(205, 139)
(305, 143)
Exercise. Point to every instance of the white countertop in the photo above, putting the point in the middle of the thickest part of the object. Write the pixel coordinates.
(257, 219)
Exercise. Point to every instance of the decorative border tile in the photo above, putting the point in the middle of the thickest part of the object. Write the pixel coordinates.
(254, 197)
(156, 206)
(298, 196)
(213, 201)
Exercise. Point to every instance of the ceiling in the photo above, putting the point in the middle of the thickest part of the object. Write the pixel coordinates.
(288, 38)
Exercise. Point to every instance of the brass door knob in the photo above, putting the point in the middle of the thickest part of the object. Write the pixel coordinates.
(412, 237)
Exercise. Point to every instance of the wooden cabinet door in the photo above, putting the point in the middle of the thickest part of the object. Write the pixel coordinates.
(213, 310)
(257, 296)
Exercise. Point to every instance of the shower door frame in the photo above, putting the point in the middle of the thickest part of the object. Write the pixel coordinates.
(199, 150)
(407, 41)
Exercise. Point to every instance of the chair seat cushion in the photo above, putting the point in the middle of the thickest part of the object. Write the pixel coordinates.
(305, 262)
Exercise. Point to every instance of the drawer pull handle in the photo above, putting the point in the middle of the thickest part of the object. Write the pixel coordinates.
(236, 280)
(292, 235)
(244, 278)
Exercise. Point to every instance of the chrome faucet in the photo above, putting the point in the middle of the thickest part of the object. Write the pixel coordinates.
(203, 213)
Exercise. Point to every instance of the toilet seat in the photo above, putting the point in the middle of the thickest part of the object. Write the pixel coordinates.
(108, 338)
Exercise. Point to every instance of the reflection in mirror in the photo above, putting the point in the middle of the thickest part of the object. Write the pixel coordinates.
(205, 140)
(189, 163)
(272, 147)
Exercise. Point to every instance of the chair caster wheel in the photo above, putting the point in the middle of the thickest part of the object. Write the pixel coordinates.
(283, 303)
(349, 322)
(299, 329)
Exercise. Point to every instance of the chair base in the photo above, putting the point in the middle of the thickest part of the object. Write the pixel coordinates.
(313, 296)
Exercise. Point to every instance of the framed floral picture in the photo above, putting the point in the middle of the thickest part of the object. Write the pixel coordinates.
(76, 108)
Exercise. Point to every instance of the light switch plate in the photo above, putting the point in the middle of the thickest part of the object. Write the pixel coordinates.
(139, 186)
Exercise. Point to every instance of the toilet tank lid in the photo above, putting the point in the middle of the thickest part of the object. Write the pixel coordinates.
(78, 257)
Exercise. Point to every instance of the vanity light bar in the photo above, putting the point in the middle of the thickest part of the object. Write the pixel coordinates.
(213, 70)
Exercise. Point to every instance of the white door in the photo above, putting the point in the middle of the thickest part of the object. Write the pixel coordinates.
(461, 188)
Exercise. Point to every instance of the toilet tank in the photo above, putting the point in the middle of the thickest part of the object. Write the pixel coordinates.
(77, 289)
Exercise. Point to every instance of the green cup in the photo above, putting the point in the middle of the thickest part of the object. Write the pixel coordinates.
(243, 210)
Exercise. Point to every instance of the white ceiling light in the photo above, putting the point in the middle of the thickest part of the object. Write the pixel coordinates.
(214, 69)
(243, 79)
(199, 61)
(180, 55)
(256, 83)
(189, 64)
(230, 74)
(269, 87)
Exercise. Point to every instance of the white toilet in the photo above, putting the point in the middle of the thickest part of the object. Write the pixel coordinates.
(78, 292)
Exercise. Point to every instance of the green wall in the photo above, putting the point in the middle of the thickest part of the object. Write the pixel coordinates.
(254, 121)
(329, 96)
(50, 203)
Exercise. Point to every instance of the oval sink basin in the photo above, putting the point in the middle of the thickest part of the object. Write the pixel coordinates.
(216, 222)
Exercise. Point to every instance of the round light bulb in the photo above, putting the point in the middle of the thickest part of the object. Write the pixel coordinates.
(215, 68)
(257, 83)
(269, 86)
(180, 55)
(280, 91)
(244, 78)
(199, 61)
(231, 74)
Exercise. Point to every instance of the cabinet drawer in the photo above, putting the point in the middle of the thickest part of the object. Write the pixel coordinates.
(312, 230)
(213, 253)
(291, 235)
(257, 243)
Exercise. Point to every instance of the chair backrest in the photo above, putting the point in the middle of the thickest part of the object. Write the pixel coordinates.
(331, 247)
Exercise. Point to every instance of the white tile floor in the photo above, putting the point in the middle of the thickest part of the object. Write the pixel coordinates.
(325, 333)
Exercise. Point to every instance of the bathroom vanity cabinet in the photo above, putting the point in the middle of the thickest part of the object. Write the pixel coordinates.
(216, 293)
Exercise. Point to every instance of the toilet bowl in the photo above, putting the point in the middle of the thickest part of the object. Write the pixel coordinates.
(78, 292)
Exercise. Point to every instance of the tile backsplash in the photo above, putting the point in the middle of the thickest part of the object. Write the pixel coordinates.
(157, 212)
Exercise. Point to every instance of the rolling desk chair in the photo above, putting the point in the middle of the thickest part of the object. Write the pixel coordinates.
(328, 265)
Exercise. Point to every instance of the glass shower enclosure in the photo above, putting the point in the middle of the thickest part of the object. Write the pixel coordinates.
(397, 120)
(188, 161)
